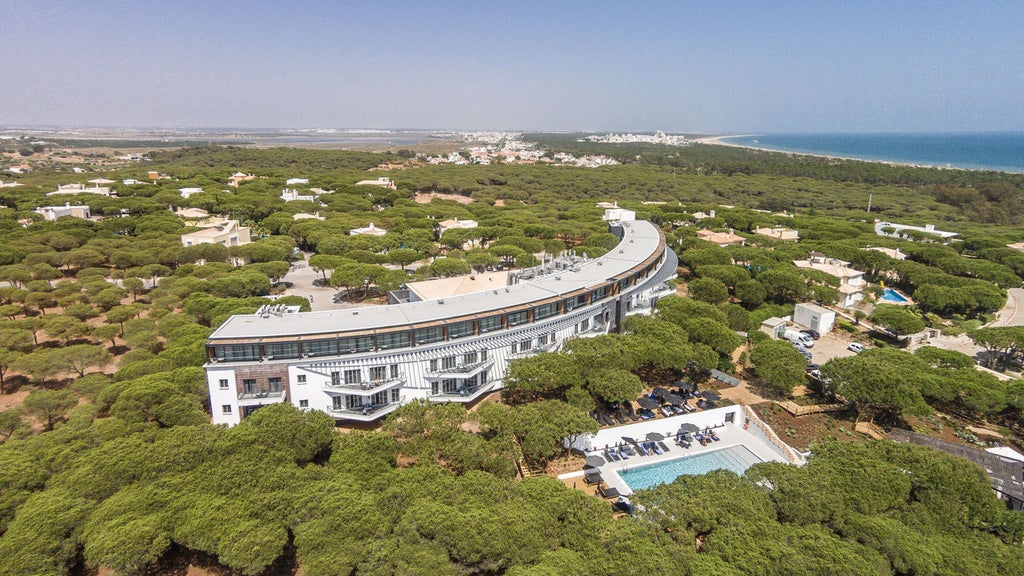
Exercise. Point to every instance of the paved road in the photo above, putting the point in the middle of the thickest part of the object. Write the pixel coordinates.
(1013, 313)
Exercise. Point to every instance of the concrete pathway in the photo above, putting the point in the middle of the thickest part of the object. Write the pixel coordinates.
(1013, 313)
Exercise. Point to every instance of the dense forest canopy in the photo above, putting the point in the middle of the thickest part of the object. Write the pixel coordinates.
(111, 462)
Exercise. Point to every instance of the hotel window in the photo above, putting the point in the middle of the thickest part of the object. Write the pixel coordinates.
(490, 323)
(281, 350)
(526, 345)
(320, 347)
(433, 365)
(353, 376)
(585, 325)
(545, 311)
(448, 362)
(428, 335)
(303, 403)
(335, 378)
(301, 378)
(394, 370)
(223, 383)
(275, 384)
(581, 300)
(378, 373)
(236, 352)
(599, 294)
(516, 318)
(249, 386)
(471, 358)
(515, 347)
(225, 409)
(542, 340)
(339, 402)
(483, 355)
(460, 329)
(569, 304)
(393, 340)
(355, 344)
(395, 395)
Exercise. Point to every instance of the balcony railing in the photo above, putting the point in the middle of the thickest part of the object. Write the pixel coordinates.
(462, 369)
(532, 351)
(466, 394)
(367, 385)
(366, 413)
(261, 394)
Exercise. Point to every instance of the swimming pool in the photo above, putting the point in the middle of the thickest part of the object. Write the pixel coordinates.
(893, 296)
(735, 458)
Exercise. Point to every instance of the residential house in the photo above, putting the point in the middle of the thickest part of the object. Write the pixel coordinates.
(906, 231)
(370, 230)
(289, 195)
(239, 177)
(19, 169)
(10, 184)
(296, 181)
(154, 175)
(229, 233)
(51, 213)
(851, 282)
(455, 223)
(722, 239)
(186, 192)
(79, 189)
(383, 182)
(778, 233)
(893, 253)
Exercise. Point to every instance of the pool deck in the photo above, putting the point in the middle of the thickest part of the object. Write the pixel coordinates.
(730, 434)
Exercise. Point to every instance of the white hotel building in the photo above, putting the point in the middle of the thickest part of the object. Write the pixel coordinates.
(361, 364)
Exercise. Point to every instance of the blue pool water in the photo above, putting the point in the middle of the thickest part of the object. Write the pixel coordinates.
(891, 295)
(735, 458)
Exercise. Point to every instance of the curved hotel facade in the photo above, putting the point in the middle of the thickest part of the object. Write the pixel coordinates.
(360, 364)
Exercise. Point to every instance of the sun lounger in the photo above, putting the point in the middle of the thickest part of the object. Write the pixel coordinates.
(654, 448)
(612, 456)
(618, 418)
(608, 491)
(605, 420)
(624, 453)
(592, 478)
(663, 446)
(666, 411)
(642, 449)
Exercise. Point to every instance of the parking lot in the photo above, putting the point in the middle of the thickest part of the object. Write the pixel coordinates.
(829, 346)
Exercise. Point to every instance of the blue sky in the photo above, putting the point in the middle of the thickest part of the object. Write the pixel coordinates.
(724, 67)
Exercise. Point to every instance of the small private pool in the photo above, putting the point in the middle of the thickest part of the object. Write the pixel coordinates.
(893, 297)
(735, 458)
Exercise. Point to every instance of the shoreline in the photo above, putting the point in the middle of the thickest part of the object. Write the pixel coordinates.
(720, 141)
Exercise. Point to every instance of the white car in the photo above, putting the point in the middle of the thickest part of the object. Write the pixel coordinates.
(856, 347)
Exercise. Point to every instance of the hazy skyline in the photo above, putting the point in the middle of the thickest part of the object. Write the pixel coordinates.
(679, 66)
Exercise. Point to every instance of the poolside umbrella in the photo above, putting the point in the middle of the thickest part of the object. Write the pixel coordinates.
(711, 395)
(686, 386)
(659, 392)
(594, 462)
(629, 440)
(674, 399)
(655, 436)
(687, 428)
(648, 403)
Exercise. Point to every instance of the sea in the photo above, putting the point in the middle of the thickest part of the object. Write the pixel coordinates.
(1002, 151)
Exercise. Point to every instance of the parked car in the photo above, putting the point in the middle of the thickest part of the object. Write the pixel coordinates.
(803, 351)
(856, 347)
(812, 333)
(812, 367)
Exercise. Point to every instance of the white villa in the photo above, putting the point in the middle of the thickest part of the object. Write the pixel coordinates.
(370, 230)
(296, 181)
(289, 195)
(51, 213)
(361, 364)
(455, 223)
(383, 182)
(228, 233)
(900, 230)
(851, 282)
(79, 189)
(186, 192)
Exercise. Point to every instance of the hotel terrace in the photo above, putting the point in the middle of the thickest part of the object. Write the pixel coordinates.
(361, 364)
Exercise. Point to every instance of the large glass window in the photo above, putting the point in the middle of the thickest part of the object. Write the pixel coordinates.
(516, 318)
(545, 310)
(448, 362)
(460, 329)
(378, 373)
(237, 352)
(320, 347)
(490, 323)
(599, 294)
(353, 376)
(274, 384)
(428, 335)
(281, 350)
(393, 340)
(355, 344)
(471, 358)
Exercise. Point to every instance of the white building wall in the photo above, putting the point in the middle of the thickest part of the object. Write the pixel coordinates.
(220, 397)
